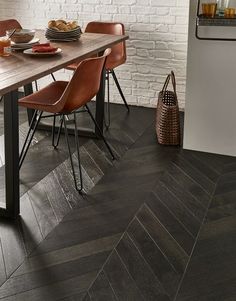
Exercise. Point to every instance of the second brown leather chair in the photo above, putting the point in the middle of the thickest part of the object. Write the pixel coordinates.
(115, 59)
(8, 25)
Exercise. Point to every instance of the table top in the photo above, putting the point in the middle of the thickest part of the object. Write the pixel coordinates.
(20, 69)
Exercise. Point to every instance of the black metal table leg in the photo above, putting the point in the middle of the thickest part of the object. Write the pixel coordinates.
(28, 89)
(99, 115)
(11, 135)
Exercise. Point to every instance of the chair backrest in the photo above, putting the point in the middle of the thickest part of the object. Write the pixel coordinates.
(8, 25)
(118, 53)
(84, 84)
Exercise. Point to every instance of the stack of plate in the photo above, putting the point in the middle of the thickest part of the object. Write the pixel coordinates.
(63, 36)
(22, 46)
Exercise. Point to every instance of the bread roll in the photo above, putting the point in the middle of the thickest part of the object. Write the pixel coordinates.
(51, 24)
(61, 21)
(74, 24)
(62, 25)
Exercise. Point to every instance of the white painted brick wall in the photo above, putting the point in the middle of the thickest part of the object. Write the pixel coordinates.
(157, 44)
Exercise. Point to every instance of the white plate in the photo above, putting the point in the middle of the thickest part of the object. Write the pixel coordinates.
(62, 36)
(60, 31)
(62, 40)
(13, 47)
(30, 52)
(19, 45)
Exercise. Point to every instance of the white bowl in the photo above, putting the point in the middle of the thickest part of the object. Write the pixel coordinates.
(22, 35)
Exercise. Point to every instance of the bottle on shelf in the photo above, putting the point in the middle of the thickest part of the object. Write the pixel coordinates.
(221, 6)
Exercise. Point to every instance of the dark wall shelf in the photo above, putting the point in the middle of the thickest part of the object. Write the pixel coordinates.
(216, 21)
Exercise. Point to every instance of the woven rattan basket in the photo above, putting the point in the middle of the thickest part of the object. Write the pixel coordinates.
(167, 118)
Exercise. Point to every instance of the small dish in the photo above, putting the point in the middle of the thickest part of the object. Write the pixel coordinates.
(30, 52)
(34, 41)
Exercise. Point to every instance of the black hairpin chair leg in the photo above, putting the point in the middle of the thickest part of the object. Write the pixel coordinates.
(33, 126)
(107, 105)
(119, 89)
(36, 83)
(78, 188)
(53, 77)
(100, 132)
(55, 144)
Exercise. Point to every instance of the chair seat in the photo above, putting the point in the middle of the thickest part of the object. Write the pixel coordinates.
(46, 98)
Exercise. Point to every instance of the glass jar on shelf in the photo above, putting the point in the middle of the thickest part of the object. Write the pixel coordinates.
(221, 6)
(209, 8)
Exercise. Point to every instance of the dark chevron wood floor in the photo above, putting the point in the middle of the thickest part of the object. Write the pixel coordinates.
(154, 255)
(156, 224)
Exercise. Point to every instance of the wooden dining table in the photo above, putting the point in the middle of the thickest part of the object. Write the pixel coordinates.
(19, 70)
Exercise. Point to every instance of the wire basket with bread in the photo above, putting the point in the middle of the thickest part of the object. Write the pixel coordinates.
(61, 30)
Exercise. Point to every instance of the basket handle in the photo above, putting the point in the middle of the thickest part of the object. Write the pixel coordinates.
(172, 77)
(173, 81)
(166, 83)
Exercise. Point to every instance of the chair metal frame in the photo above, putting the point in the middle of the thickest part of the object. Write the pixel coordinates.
(112, 72)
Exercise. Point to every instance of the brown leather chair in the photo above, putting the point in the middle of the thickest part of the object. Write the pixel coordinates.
(8, 25)
(115, 59)
(63, 98)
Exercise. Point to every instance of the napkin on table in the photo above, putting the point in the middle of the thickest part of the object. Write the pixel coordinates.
(46, 47)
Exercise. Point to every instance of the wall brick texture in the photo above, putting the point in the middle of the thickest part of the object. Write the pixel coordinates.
(157, 44)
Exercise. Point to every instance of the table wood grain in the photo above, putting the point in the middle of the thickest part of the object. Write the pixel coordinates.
(20, 69)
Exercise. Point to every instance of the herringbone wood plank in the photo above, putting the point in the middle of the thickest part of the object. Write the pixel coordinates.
(47, 189)
(102, 289)
(211, 274)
